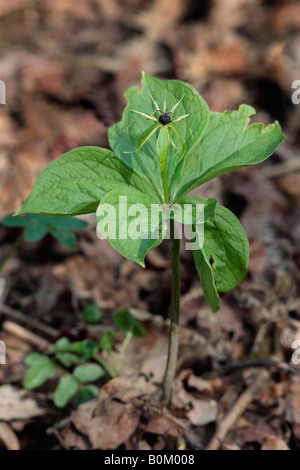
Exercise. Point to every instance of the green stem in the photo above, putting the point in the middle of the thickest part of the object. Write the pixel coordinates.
(174, 326)
(12, 250)
(165, 185)
(113, 360)
(124, 345)
(106, 366)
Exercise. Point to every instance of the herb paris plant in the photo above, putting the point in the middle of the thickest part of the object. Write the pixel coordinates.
(148, 168)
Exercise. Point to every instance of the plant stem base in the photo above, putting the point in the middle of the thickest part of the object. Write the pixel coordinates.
(174, 326)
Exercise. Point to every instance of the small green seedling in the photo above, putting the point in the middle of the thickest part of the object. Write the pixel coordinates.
(92, 314)
(37, 226)
(158, 166)
(80, 363)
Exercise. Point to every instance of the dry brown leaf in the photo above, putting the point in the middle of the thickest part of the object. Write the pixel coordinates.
(7, 7)
(161, 19)
(286, 17)
(148, 355)
(199, 384)
(111, 420)
(73, 440)
(109, 430)
(203, 412)
(230, 319)
(257, 433)
(15, 406)
(292, 412)
(43, 74)
(75, 8)
(228, 59)
(163, 426)
(274, 443)
(296, 432)
(193, 381)
(15, 348)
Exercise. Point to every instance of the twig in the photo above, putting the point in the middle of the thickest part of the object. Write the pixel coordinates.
(237, 410)
(19, 316)
(11, 251)
(259, 339)
(26, 335)
(250, 363)
(8, 437)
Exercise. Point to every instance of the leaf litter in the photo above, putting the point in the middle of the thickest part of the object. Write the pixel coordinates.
(65, 95)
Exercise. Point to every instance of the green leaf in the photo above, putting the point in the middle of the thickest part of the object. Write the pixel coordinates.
(65, 223)
(225, 243)
(13, 221)
(68, 239)
(210, 208)
(129, 224)
(107, 340)
(77, 181)
(65, 390)
(228, 144)
(186, 212)
(62, 343)
(86, 393)
(88, 372)
(37, 226)
(127, 323)
(184, 147)
(147, 134)
(92, 314)
(65, 358)
(207, 280)
(124, 136)
(39, 372)
(35, 359)
(86, 348)
(35, 229)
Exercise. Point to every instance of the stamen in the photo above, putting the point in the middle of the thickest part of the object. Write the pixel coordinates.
(181, 117)
(165, 102)
(175, 106)
(148, 116)
(153, 100)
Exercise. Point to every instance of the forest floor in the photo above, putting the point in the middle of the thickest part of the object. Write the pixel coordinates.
(66, 66)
